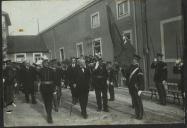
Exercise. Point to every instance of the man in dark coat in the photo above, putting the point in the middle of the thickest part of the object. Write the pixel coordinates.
(48, 78)
(82, 86)
(9, 79)
(28, 76)
(160, 77)
(136, 85)
(110, 81)
(71, 72)
(100, 85)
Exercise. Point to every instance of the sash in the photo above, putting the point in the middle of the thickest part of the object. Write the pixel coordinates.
(133, 73)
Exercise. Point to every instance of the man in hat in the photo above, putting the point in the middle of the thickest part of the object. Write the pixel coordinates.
(9, 79)
(160, 77)
(71, 74)
(28, 76)
(99, 79)
(82, 81)
(47, 87)
(136, 85)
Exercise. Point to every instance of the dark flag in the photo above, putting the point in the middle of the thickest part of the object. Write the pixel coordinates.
(123, 50)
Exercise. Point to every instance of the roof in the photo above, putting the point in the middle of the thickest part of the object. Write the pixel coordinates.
(71, 15)
(6, 17)
(25, 44)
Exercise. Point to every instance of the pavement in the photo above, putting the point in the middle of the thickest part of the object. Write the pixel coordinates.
(120, 112)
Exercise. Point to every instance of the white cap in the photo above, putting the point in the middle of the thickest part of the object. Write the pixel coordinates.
(45, 57)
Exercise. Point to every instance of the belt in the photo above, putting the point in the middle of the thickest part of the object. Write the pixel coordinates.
(47, 82)
(99, 77)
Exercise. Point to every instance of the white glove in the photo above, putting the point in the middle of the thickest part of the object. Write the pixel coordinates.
(107, 82)
(164, 82)
(155, 59)
(74, 85)
(112, 83)
(3, 80)
(139, 93)
(97, 65)
(15, 84)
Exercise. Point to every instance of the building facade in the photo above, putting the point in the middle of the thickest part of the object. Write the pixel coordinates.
(26, 48)
(148, 24)
(5, 23)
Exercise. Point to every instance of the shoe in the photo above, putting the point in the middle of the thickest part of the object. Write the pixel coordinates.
(13, 104)
(9, 111)
(49, 120)
(98, 110)
(106, 110)
(34, 102)
(56, 109)
(85, 116)
(139, 118)
(111, 99)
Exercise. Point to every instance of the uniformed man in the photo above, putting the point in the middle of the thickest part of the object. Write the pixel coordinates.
(136, 85)
(9, 79)
(179, 69)
(71, 72)
(47, 87)
(110, 80)
(100, 85)
(160, 77)
(82, 85)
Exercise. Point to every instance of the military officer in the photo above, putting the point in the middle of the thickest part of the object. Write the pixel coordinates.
(110, 81)
(71, 72)
(160, 77)
(100, 78)
(82, 86)
(136, 85)
(179, 69)
(47, 87)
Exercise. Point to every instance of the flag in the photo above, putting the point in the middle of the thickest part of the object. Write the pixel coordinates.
(123, 52)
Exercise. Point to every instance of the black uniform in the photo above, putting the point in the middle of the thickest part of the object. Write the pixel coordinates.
(99, 79)
(179, 69)
(82, 81)
(136, 83)
(111, 80)
(72, 69)
(9, 74)
(160, 75)
(28, 76)
(47, 87)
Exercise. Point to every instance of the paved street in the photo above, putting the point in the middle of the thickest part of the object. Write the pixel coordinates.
(120, 112)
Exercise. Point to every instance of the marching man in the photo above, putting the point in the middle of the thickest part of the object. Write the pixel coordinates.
(136, 86)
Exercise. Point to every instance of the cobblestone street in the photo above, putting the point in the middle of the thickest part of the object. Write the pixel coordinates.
(25, 114)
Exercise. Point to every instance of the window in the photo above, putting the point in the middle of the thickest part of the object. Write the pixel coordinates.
(123, 9)
(80, 51)
(97, 47)
(36, 57)
(128, 35)
(20, 57)
(95, 20)
(62, 54)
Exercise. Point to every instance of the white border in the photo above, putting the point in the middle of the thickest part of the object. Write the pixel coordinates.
(126, 15)
(81, 43)
(173, 19)
(98, 25)
(33, 56)
(15, 56)
(60, 53)
(96, 39)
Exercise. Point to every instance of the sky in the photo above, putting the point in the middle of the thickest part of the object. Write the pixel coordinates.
(36, 16)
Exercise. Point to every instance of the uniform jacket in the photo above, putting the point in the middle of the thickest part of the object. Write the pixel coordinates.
(160, 71)
(136, 79)
(111, 75)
